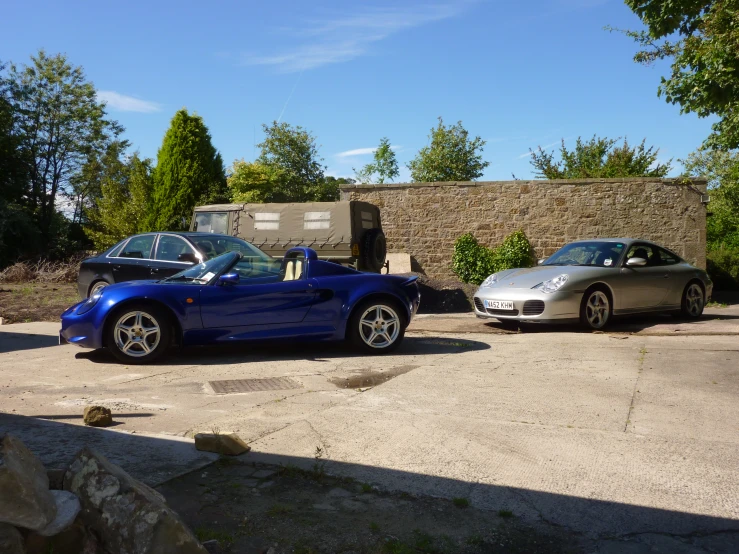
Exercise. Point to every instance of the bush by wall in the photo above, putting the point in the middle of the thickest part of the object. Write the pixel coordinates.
(723, 268)
(473, 262)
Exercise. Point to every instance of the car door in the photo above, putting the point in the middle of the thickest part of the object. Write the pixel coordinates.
(133, 261)
(284, 298)
(169, 256)
(676, 277)
(643, 287)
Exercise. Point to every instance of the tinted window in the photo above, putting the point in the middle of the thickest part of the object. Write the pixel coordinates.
(644, 251)
(212, 222)
(138, 247)
(595, 253)
(116, 250)
(171, 247)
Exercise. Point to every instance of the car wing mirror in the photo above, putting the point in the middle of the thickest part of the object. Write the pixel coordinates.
(541, 261)
(228, 279)
(187, 257)
(636, 262)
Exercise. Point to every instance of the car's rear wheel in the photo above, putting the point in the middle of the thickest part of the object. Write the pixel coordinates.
(139, 333)
(377, 326)
(693, 301)
(596, 309)
(96, 287)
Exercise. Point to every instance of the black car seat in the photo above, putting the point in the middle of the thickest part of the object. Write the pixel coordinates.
(206, 247)
(641, 252)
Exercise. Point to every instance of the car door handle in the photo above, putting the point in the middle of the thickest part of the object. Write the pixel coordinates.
(667, 275)
(116, 267)
(155, 270)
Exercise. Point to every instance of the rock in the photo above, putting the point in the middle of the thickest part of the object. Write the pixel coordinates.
(229, 445)
(70, 541)
(67, 508)
(56, 478)
(212, 546)
(97, 416)
(25, 500)
(11, 540)
(125, 514)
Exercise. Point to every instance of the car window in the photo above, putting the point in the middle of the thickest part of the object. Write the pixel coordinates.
(116, 250)
(138, 247)
(595, 253)
(668, 258)
(215, 245)
(170, 247)
(644, 251)
(211, 222)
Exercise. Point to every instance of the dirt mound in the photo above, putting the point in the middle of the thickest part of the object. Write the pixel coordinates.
(18, 273)
(440, 296)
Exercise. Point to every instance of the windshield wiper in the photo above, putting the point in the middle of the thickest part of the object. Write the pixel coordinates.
(182, 278)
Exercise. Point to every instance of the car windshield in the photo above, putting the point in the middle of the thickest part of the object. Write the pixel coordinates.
(214, 245)
(205, 272)
(595, 253)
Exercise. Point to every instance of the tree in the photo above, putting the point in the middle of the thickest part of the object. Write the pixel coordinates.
(59, 123)
(722, 170)
(255, 182)
(385, 165)
(293, 151)
(705, 58)
(189, 171)
(125, 192)
(451, 156)
(599, 158)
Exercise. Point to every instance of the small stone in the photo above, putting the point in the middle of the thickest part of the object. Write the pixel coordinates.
(228, 445)
(324, 507)
(266, 484)
(212, 546)
(338, 492)
(263, 473)
(67, 508)
(11, 540)
(97, 416)
(25, 500)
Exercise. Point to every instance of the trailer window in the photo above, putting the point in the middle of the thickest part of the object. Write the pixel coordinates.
(267, 221)
(212, 222)
(317, 220)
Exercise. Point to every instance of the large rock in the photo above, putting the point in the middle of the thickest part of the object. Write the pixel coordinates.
(25, 500)
(97, 416)
(228, 445)
(128, 516)
(67, 508)
(11, 540)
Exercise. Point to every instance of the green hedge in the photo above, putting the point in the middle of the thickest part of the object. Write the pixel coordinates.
(473, 262)
(723, 268)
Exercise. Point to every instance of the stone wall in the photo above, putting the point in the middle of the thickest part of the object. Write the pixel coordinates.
(424, 219)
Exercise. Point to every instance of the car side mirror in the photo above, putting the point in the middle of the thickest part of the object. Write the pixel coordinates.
(541, 261)
(228, 279)
(636, 262)
(187, 257)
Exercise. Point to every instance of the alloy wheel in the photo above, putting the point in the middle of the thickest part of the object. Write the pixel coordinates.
(597, 309)
(100, 285)
(379, 326)
(137, 334)
(694, 300)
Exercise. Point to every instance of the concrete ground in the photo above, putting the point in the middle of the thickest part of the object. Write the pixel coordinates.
(629, 434)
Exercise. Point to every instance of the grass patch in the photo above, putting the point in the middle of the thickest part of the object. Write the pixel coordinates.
(505, 513)
(475, 540)
(714, 304)
(461, 502)
(207, 534)
(279, 510)
(374, 527)
(366, 487)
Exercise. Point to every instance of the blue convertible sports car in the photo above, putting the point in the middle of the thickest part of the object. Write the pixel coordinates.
(233, 298)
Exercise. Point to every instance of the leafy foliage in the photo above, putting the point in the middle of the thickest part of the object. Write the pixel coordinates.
(722, 170)
(722, 265)
(189, 171)
(251, 182)
(599, 158)
(704, 75)
(385, 165)
(125, 195)
(473, 262)
(450, 156)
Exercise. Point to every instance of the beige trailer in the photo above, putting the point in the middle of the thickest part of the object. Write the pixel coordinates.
(345, 232)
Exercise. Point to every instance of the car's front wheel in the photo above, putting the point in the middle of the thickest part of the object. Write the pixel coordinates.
(377, 326)
(693, 301)
(595, 311)
(139, 334)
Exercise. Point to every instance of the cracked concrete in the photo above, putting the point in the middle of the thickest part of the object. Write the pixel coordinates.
(622, 441)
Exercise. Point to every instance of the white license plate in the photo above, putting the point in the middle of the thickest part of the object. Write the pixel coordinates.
(499, 304)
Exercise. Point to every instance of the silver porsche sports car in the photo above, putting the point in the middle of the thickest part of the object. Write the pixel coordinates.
(593, 280)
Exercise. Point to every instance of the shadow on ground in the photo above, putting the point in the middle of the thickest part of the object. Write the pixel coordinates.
(253, 352)
(12, 342)
(159, 459)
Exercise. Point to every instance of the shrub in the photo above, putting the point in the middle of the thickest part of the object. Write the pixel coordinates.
(723, 267)
(473, 262)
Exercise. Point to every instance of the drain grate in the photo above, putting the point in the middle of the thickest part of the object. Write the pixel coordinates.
(253, 385)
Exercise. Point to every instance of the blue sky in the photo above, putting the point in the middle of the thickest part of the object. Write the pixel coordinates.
(518, 74)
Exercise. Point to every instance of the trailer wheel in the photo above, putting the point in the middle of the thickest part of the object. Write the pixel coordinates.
(374, 250)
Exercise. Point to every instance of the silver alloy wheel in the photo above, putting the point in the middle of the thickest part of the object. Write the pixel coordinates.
(694, 300)
(379, 326)
(100, 285)
(597, 309)
(137, 334)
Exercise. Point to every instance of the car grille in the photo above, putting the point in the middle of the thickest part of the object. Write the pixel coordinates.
(501, 312)
(478, 305)
(533, 307)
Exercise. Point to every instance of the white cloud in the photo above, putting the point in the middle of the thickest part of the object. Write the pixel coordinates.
(362, 152)
(124, 103)
(343, 38)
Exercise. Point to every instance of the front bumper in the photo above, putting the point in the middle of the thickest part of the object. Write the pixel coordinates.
(529, 304)
(83, 330)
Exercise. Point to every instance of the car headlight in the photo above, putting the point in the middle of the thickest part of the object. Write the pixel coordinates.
(553, 285)
(490, 280)
(89, 303)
